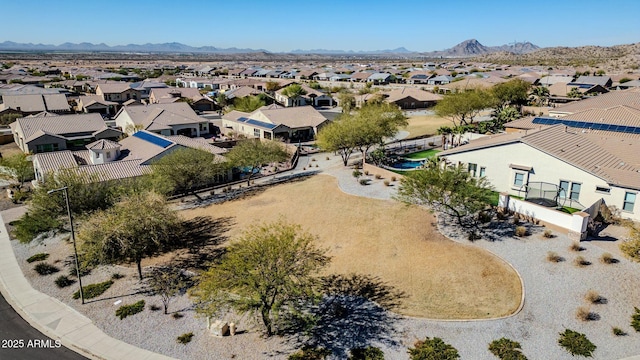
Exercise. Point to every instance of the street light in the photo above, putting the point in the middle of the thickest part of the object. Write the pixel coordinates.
(73, 236)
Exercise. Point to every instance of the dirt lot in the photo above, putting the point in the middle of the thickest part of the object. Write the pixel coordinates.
(395, 242)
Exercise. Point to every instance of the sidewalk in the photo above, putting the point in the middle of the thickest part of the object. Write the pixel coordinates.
(52, 317)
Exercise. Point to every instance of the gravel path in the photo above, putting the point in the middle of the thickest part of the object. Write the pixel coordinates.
(553, 293)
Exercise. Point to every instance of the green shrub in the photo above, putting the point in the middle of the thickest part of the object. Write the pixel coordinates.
(635, 320)
(93, 290)
(576, 343)
(116, 276)
(185, 338)
(45, 269)
(154, 307)
(433, 349)
(618, 332)
(310, 353)
(356, 173)
(38, 257)
(64, 281)
(368, 353)
(177, 316)
(484, 217)
(84, 271)
(506, 349)
(128, 310)
(31, 225)
(364, 181)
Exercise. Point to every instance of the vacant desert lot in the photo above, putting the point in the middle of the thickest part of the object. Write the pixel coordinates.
(398, 243)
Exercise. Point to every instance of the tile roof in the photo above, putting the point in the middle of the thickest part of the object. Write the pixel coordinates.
(617, 115)
(630, 97)
(162, 116)
(418, 94)
(196, 143)
(60, 125)
(594, 155)
(114, 88)
(103, 144)
(37, 102)
(293, 117)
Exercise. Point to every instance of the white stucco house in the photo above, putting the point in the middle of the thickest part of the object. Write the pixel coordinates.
(584, 166)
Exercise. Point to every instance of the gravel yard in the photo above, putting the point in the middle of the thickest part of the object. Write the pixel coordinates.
(553, 292)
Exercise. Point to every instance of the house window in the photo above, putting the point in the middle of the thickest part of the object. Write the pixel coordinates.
(267, 135)
(629, 201)
(473, 168)
(564, 188)
(518, 179)
(575, 191)
(483, 171)
(256, 133)
(108, 154)
(602, 189)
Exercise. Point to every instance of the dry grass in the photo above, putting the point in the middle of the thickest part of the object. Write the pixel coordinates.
(9, 149)
(425, 125)
(583, 313)
(594, 297)
(554, 257)
(441, 278)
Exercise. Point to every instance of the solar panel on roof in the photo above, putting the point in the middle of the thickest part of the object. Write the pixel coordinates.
(262, 124)
(152, 138)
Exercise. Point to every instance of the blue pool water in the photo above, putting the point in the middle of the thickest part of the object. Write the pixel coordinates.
(406, 165)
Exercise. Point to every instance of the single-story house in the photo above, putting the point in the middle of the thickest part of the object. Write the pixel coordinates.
(630, 97)
(412, 98)
(300, 123)
(166, 119)
(36, 103)
(310, 97)
(192, 96)
(96, 104)
(577, 168)
(53, 133)
(110, 160)
(118, 92)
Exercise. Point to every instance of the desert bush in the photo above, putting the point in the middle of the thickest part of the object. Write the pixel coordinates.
(585, 314)
(484, 217)
(607, 258)
(576, 343)
(548, 234)
(310, 353)
(128, 310)
(116, 276)
(618, 332)
(154, 307)
(368, 353)
(93, 290)
(554, 257)
(313, 159)
(393, 178)
(581, 262)
(356, 173)
(177, 315)
(317, 165)
(516, 219)
(520, 231)
(64, 281)
(431, 143)
(575, 246)
(635, 320)
(38, 257)
(473, 236)
(326, 158)
(386, 183)
(185, 338)
(45, 269)
(378, 176)
(364, 181)
(593, 297)
(506, 349)
(84, 271)
(366, 172)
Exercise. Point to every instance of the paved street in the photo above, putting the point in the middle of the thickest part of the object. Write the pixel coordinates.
(15, 334)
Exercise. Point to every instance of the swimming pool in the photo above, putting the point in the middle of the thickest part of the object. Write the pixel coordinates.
(406, 165)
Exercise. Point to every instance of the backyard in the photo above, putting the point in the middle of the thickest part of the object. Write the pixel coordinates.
(400, 244)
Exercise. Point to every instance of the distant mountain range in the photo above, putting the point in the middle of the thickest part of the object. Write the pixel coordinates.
(173, 47)
(467, 48)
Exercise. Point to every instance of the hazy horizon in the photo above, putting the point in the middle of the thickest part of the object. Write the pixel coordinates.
(284, 26)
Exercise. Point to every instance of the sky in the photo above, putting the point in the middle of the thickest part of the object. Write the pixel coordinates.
(285, 25)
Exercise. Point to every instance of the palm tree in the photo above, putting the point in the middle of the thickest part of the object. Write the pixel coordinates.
(444, 131)
(541, 93)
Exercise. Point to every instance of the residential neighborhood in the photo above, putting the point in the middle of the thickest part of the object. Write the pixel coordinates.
(227, 186)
